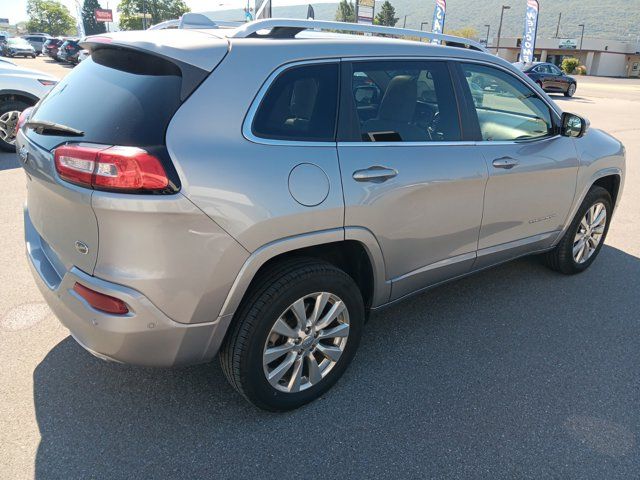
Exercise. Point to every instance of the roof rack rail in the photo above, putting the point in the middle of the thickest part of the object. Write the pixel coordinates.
(289, 28)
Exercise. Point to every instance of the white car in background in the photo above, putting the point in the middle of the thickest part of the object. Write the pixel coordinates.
(20, 88)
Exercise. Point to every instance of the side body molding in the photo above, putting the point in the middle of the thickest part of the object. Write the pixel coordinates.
(259, 257)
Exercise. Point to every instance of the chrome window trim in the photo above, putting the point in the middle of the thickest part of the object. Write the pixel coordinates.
(247, 124)
(247, 132)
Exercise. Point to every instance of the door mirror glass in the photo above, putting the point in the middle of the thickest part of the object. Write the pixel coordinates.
(573, 125)
(366, 95)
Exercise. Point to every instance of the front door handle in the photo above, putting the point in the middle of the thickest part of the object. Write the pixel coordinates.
(375, 174)
(505, 162)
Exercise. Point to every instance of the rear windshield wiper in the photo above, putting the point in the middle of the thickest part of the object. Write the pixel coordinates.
(44, 127)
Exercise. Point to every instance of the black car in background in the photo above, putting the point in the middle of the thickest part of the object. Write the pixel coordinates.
(549, 77)
(51, 46)
(68, 51)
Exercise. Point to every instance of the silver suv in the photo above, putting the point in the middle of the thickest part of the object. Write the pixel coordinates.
(258, 191)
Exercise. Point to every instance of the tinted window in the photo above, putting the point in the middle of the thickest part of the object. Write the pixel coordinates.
(300, 105)
(555, 70)
(404, 101)
(507, 109)
(542, 69)
(116, 97)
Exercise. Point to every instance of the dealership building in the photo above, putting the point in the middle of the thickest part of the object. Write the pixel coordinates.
(606, 58)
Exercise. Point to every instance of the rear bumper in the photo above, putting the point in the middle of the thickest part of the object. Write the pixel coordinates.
(145, 336)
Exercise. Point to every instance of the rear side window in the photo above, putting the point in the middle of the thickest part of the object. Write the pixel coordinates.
(404, 101)
(300, 105)
(116, 97)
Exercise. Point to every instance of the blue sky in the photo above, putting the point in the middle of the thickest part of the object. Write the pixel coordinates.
(16, 10)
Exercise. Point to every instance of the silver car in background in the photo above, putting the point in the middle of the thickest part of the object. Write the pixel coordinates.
(256, 192)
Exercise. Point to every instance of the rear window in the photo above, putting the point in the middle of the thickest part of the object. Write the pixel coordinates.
(116, 96)
(300, 105)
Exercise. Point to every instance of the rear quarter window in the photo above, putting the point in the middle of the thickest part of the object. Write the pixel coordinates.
(300, 105)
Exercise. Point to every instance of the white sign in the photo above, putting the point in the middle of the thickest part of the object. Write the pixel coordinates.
(568, 43)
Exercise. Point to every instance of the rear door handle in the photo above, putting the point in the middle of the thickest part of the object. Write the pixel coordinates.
(505, 162)
(376, 174)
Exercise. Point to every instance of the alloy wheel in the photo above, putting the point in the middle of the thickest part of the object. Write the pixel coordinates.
(306, 342)
(590, 232)
(8, 122)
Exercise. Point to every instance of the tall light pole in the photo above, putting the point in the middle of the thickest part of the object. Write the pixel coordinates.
(581, 35)
(486, 42)
(422, 24)
(504, 7)
(558, 26)
(404, 24)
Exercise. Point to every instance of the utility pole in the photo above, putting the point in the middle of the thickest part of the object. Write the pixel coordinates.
(144, 15)
(404, 24)
(504, 7)
(581, 35)
(558, 27)
(487, 39)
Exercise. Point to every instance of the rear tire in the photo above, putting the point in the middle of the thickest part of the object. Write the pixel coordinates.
(568, 257)
(247, 355)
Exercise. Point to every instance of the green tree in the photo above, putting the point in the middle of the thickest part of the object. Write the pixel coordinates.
(346, 12)
(464, 32)
(570, 64)
(91, 27)
(157, 11)
(387, 15)
(49, 16)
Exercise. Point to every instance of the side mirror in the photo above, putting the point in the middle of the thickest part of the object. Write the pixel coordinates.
(365, 94)
(573, 125)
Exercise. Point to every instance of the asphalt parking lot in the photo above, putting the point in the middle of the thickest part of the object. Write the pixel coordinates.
(517, 372)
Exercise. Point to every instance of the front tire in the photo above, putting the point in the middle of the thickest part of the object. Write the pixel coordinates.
(294, 335)
(9, 113)
(571, 90)
(584, 238)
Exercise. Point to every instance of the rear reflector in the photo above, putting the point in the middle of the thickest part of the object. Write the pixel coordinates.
(110, 168)
(100, 301)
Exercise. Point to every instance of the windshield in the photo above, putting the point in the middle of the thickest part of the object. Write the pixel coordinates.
(18, 42)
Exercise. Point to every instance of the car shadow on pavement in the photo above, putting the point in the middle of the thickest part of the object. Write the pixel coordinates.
(8, 161)
(515, 372)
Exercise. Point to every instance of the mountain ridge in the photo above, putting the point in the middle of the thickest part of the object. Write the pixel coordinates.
(620, 22)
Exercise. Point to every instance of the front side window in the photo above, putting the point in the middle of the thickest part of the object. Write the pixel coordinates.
(506, 108)
(300, 105)
(404, 101)
(555, 70)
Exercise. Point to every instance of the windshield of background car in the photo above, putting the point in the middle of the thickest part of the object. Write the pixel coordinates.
(18, 42)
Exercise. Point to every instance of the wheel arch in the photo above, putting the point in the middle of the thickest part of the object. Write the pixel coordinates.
(611, 183)
(354, 250)
(611, 177)
(8, 95)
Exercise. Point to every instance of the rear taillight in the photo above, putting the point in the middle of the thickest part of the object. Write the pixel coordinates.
(24, 115)
(110, 168)
(100, 301)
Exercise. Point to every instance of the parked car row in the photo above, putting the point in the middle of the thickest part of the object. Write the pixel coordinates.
(62, 50)
(33, 44)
